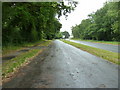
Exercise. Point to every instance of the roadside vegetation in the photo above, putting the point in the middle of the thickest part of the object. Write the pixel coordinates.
(25, 24)
(12, 48)
(24, 58)
(104, 42)
(102, 25)
(15, 63)
(107, 55)
(29, 22)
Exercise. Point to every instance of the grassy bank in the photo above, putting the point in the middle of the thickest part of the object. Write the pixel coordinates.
(104, 42)
(24, 58)
(12, 48)
(110, 56)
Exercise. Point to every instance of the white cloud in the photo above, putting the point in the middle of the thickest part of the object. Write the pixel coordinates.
(83, 9)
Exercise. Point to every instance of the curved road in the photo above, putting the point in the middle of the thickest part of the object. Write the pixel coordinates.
(108, 47)
(64, 66)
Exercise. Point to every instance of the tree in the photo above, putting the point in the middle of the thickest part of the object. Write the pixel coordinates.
(66, 34)
(31, 21)
(58, 35)
(101, 25)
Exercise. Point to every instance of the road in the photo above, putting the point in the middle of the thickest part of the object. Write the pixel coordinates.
(108, 47)
(64, 66)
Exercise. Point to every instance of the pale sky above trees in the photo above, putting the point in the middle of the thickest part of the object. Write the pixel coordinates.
(83, 9)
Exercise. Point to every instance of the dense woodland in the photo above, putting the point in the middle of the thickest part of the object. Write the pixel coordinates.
(101, 25)
(32, 21)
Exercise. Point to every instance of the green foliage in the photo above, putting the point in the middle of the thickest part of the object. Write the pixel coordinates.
(11, 65)
(58, 35)
(66, 34)
(13, 48)
(101, 25)
(15, 63)
(31, 21)
(104, 42)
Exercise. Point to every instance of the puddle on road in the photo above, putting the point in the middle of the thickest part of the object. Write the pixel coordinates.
(8, 57)
(11, 56)
(25, 50)
(4, 59)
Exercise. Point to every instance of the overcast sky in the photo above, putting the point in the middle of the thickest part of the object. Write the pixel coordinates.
(83, 9)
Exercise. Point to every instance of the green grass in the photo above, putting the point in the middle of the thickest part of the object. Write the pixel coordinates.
(104, 42)
(12, 48)
(110, 56)
(46, 43)
(15, 63)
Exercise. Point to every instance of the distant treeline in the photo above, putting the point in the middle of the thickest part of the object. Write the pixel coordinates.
(31, 21)
(101, 25)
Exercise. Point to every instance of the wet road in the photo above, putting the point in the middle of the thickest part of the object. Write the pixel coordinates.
(108, 47)
(64, 66)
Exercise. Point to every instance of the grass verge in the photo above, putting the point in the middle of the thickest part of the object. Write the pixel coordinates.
(46, 43)
(110, 56)
(12, 48)
(104, 42)
(12, 65)
(15, 63)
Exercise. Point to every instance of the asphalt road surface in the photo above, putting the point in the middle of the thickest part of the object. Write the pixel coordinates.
(64, 66)
(108, 47)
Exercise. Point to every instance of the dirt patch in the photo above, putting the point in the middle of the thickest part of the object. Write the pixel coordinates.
(26, 75)
(15, 54)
